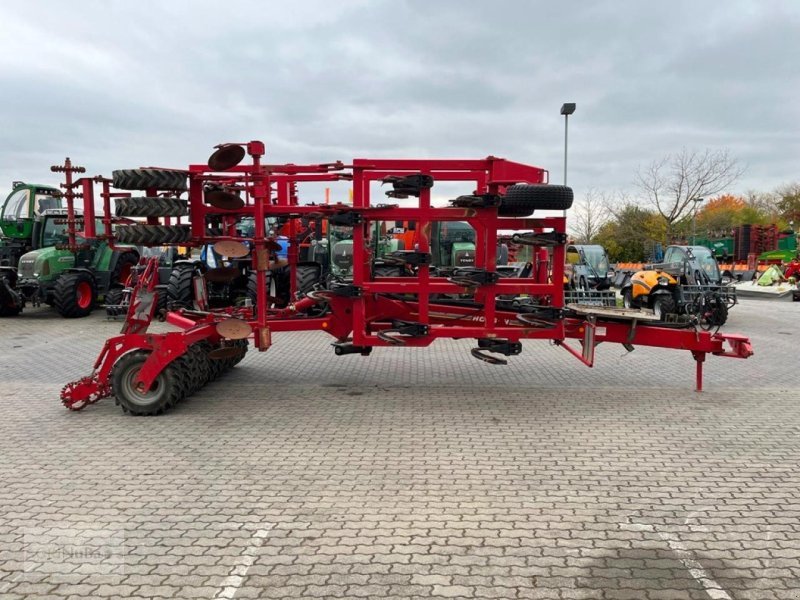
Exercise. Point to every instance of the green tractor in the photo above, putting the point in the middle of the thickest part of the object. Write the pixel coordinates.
(71, 282)
(23, 207)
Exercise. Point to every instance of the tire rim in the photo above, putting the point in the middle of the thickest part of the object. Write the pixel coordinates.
(133, 394)
(84, 294)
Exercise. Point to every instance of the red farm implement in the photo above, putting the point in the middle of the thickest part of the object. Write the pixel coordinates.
(412, 305)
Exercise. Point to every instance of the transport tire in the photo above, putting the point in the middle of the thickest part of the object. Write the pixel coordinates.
(143, 179)
(151, 207)
(522, 199)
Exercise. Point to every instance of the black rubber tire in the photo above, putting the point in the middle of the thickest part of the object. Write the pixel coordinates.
(130, 259)
(153, 235)
(308, 276)
(664, 305)
(151, 207)
(522, 199)
(162, 303)
(66, 294)
(143, 179)
(164, 395)
(252, 288)
(627, 298)
(113, 296)
(14, 307)
(243, 345)
(388, 271)
(180, 289)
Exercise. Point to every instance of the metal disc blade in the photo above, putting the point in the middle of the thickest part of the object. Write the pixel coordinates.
(231, 249)
(222, 274)
(226, 157)
(234, 329)
(224, 200)
(225, 352)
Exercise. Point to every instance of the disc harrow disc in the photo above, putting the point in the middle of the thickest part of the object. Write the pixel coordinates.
(231, 249)
(224, 200)
(226, 157)
(234, 329)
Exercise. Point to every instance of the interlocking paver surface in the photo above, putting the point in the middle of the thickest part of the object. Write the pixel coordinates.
(411, 473)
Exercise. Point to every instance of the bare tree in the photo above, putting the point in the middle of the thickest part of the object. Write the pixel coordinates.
(672, 183)
(588, 216)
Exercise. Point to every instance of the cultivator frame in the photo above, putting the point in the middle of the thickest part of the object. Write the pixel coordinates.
(415, 309)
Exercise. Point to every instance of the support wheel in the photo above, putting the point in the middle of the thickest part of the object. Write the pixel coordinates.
(164, 393)
(74, 295)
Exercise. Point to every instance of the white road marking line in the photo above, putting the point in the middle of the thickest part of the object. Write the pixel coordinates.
(685, 556)
(234, 581)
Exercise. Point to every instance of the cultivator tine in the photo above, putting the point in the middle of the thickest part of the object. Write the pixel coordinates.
(497, 346)
(402, 328)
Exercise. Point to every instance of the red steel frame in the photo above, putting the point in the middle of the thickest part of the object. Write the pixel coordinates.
(271, 190)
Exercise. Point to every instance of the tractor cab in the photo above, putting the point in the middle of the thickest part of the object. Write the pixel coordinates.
(587, 267)
(692, 265)
(23, 208)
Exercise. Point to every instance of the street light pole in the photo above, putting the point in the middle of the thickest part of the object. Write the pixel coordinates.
(566, 109)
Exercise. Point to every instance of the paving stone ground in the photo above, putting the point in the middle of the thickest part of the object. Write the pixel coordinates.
(413, 473)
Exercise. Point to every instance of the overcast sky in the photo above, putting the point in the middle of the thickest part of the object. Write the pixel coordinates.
(121, 84)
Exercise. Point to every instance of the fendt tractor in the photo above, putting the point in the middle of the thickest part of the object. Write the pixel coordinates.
(27, 213)
(148, 373)
(62, 265)
(688, 283)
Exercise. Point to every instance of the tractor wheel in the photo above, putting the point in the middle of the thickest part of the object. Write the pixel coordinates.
(307, 277)
(252, 288)
(387, 271)
(122, 270)
(522, 199)
(627, 298)
(12, 306)
(180, 289)
(74, 295)
(162, 303)
(162, 396)
(143, 179)
(151, 207)
(664, 305)
(153, 235)
(113, 297)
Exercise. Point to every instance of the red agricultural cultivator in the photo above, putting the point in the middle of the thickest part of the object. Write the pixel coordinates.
(388, 269)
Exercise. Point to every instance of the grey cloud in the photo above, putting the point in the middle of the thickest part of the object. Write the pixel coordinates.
(118, 84)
